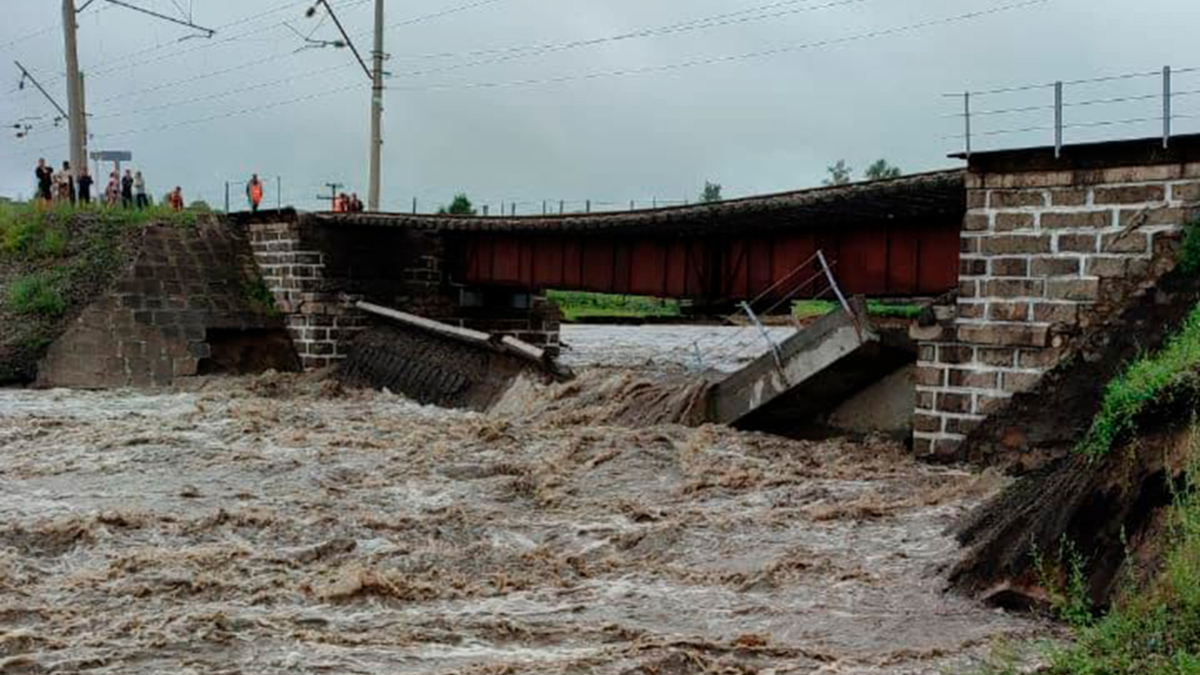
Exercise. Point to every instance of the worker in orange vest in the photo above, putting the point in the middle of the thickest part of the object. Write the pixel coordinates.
(254, 191)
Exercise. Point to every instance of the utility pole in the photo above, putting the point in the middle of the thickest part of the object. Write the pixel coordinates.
(75, 107)
(376, 111)
(376, 75)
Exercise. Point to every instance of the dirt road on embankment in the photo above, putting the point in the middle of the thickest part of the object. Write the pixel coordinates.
(281, 525)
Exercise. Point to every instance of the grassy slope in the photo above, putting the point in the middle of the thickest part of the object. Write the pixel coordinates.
(1155, 628)
(52, 262)
(576, 305)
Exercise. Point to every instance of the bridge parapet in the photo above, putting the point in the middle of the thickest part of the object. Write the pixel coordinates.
(1051, 248)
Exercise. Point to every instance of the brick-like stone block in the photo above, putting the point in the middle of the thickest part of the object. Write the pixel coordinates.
(972, 267)
(955, 354)
(1125, 242)
(1008, 199)
(926, 423)
(1013, 288)
(987, 405)
(1134, 174)
(972, 379)
(976, 199)
(971, 310)
(1055, 267)
(1008, 335)
(1076, 220)
(1186, 192)
(954, 402)
(1009, 267)
(1079, 290)
(925, 399)
(996, 357)
(1015, 383)
(1076, 243)
(1162, 215)
(968, 288)
(1041, 359)
(968, 244)
(962, 426)
(1030, 179)
(1069, 197)
(1129, 194)
(977, 222)
(927, 353)
(1008, 222)
(1107, 266)
(1056, 313)
(1011, 244)
(1008, 311)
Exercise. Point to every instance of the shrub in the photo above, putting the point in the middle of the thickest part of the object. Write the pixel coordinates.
(1142, 383)
(37, 294)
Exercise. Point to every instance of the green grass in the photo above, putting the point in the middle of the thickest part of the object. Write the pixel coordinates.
(39, 293)
(29, 231)
(577, 305)
(1155, 631)
(1189, 255)
(1143, 382)
(807, 309)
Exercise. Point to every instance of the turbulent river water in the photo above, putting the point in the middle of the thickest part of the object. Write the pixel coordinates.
(281, 524)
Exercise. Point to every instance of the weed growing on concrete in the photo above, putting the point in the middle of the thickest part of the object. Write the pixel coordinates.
(1189, 255)
(1142, 383)
(260, 296)
(1155, 631)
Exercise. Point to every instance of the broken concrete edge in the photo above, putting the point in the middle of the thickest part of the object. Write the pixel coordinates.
(766, 378)
(505, 344)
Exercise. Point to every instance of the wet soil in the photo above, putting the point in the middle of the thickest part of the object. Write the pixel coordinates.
(283, 524)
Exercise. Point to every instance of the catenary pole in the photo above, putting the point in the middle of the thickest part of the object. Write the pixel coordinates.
(75, 111)
(376, 112)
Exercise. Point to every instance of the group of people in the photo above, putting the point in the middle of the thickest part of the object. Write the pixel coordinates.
(347, 204)
(128, 190)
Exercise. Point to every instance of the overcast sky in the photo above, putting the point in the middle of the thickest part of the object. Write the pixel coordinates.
(470, 107)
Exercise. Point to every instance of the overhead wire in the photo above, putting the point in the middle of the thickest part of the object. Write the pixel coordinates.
(706, 61)
(700, 24)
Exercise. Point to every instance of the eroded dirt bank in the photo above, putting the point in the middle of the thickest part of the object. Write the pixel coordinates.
(278, 525)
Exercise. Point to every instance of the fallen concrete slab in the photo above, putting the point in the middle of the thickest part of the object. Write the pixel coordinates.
(825, 363)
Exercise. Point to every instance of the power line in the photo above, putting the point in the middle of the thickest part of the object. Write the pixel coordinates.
(887, 32)
(624, 72)
(699, 24)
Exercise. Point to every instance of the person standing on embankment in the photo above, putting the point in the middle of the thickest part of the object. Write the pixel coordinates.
(254, 192)
(139, 190)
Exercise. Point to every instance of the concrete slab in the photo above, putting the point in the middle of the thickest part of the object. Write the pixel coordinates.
(836, 342)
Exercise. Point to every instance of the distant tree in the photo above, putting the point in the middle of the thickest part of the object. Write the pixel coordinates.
(881, 170)
(712, 193)
(461, 206)
(201, 206)
(839, 174)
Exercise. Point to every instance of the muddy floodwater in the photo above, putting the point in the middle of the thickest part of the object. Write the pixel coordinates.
(280, 524)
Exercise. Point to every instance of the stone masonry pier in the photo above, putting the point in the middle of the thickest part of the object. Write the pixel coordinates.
(1051, 247)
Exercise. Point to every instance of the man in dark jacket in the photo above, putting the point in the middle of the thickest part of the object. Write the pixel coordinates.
(85, 186)
(127, 190)
(45, 180)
